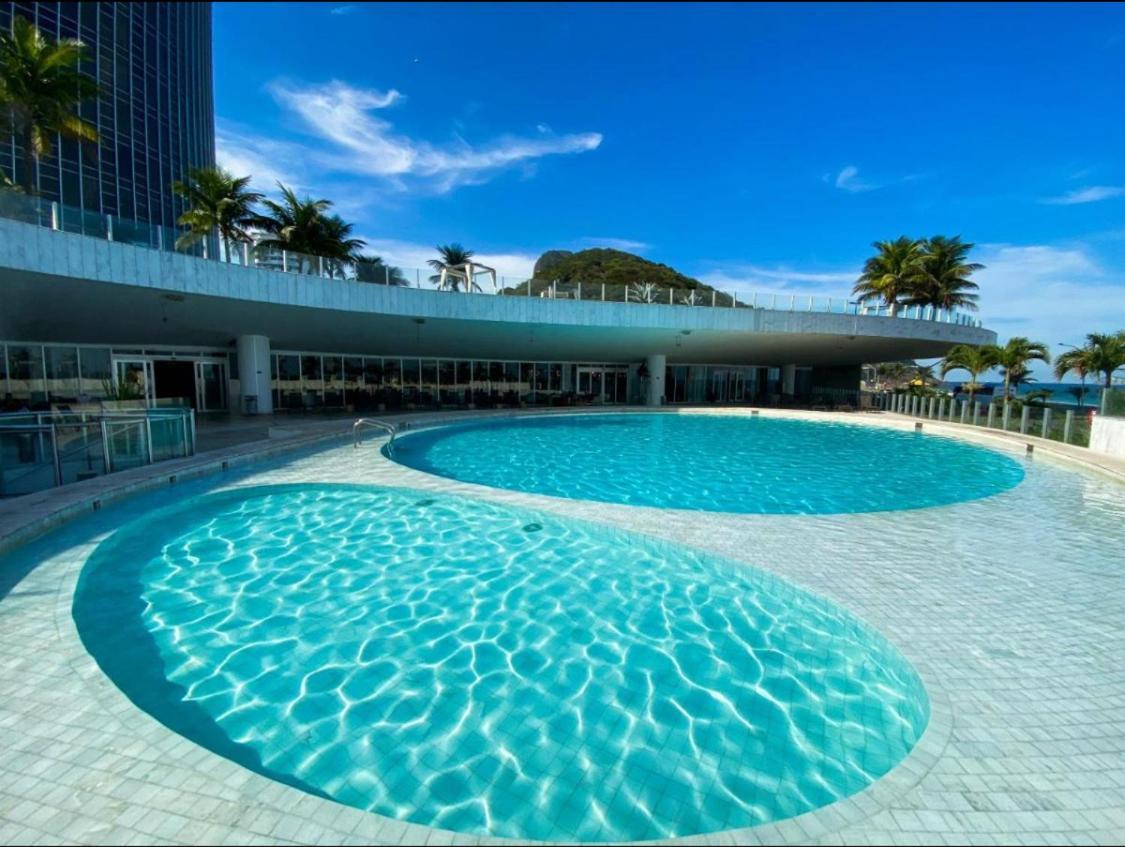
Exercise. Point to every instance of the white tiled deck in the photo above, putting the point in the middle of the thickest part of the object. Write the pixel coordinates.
(1024, 663)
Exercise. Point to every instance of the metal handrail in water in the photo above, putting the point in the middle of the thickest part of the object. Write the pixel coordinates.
(377, 424)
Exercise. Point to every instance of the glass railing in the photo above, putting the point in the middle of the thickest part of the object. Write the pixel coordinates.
(40, 450)
(1113, 402)
(18, 206)
(1069, 426)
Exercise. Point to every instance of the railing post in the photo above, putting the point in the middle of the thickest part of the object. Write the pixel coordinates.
(578, 292)
(107, 457)
(148, 437)
(991, 414)
(810, 303)
(245, 254)
(1068, 425)
(713, 293)
(55, 215)
(669, 296)
(941, 409)
(976, 414)
(1045, 431)
(55, 454)
(792, 302)
(603, 290)
(284, 262)
(184, 426)
(773, 302)
(109, 227)
(1006, 419)
(1025, 420)
(320, 267)
(160, 238)
(734, 299)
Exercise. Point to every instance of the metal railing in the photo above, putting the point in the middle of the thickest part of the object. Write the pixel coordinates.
(357, 428)
(49, 214)
(40, 450)
(1069, 426)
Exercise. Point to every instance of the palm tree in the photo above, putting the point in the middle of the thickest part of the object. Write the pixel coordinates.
(1015, 356)
(1080, 360)
(943, 280)
(40, 85)
(294, 224)
(219, 202)
(642, 292)
(1107, 353)
(451, 255)
(891, 273)
(975, 360)
(336, 244)
(373, 269)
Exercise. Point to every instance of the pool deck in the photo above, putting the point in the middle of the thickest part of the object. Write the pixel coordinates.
(1025, 670)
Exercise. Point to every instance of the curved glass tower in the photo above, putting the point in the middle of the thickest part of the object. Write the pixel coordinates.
(155, 114)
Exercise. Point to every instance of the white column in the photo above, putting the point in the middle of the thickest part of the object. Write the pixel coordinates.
(254, 371)
(789, 379)
(656, 364)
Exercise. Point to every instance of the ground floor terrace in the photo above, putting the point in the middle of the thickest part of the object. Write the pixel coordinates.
(254, 378)
(1005, 608)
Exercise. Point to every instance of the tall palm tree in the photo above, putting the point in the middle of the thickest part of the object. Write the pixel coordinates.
(1015, 357)
(40, 86)
(294, 224)
(1080, 360)
(1107, 353)
(451, 255)
(373, 269)
(891, 273)
(975, 360)
(944, 271)
(218, 202)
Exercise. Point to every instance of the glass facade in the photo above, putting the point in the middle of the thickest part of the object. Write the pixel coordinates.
(155, 115)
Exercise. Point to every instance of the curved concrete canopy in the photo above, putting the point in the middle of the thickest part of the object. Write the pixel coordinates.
(58, 286)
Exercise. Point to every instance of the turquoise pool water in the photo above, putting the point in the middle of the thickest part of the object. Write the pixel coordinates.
(477, 668)
(759, 465)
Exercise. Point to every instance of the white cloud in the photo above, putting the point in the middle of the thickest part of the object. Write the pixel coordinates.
(848, 179)
(361, 143)
(343, 10)
(626, 244)
(1089, 194)
(1048, 293)
(411, 256)
(748, 279)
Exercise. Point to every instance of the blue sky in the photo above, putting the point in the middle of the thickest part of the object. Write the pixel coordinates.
(759, 147)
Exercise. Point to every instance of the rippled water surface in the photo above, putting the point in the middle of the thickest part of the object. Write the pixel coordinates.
(745, 464)
(476, 668)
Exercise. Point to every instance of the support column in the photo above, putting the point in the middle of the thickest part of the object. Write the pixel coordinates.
(254, 372)
(656, 364)
(789, 380)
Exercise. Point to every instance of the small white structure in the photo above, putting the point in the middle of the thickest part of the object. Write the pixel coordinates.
(466, 273)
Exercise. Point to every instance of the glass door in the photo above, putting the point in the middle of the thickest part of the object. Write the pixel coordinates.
(133, 380)
(210, 386)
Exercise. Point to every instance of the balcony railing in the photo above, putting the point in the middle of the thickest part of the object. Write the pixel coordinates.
(17, 206)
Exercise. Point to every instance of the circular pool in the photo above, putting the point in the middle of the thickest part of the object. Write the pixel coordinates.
(477, 668)
(747, 464)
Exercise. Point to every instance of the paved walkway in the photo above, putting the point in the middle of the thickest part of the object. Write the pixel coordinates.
(1020, 648)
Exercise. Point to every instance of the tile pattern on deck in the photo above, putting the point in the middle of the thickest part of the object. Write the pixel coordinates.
(1022, 662)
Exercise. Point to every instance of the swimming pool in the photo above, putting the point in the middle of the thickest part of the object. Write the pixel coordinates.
(745, 464)
(480, 668)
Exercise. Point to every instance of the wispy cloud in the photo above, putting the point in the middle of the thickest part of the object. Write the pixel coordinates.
(355, 139)
(343, 10)
(1089, 194)
(750, 279)
(626, 244)
(848, 179)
